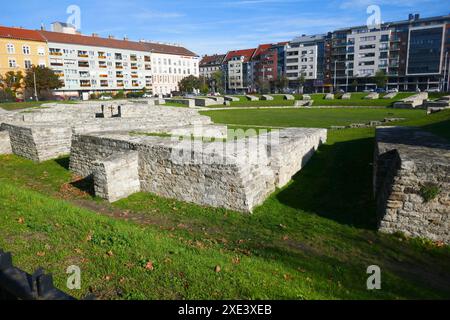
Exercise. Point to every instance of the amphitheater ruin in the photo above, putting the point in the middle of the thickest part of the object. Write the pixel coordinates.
(127, 147)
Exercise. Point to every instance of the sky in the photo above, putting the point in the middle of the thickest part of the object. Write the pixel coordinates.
(212, 26)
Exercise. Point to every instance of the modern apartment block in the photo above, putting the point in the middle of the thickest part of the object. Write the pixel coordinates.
(305, 57)
(412, 53)
(268, 62)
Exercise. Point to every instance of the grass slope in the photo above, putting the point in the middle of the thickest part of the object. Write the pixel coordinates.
(313, 239)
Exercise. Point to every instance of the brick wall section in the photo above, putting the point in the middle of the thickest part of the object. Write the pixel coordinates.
(406, 160)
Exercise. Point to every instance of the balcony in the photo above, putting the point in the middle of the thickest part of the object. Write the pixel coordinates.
(119, 67)
(85, 84)
(134, 76)
(102, 66)
(134, 68)
(120, 84)
(103, 76)
(56, 53)
(119, 75)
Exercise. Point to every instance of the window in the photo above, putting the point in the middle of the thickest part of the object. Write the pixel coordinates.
(41, 51)
(26, 50)
(27, 64)
(10, 48)
(12, 63)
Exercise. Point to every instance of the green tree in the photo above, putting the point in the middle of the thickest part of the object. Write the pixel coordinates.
(355, 85)
(217, 81)
(301, 82)
(46, 79)
(12, 83)
(381, 79)
(282, 83)
(188, 84)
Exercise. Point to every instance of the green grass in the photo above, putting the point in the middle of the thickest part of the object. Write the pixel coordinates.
(320, 118)
(313, 239)
(357, 99)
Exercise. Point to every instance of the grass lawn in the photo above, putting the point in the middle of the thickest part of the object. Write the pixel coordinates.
(319, 118)
(313, 239)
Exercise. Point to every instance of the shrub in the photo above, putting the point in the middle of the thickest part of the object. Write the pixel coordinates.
(429, 192)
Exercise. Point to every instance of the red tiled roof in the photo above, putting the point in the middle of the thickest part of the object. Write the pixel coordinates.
(262, 48)
(214, 59)
(20, 34)
(114, 43)
(247, 53)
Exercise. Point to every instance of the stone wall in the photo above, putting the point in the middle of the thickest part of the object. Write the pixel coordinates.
(407, 163)
(190, 103)
(5, 143)
(217, 174)
(117, 176)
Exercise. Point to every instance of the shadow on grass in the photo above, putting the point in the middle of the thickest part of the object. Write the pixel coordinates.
(85, 185)
(63, 162)
(336, 184)
(439, 128)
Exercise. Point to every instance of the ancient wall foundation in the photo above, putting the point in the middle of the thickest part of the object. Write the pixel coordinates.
(412, 183)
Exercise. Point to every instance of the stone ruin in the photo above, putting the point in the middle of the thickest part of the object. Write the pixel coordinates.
(126, 147)
(412, 183)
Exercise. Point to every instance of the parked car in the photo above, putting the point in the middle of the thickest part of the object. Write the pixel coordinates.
(105, 98)
(395, 90)
(147, 95)
(380, 90)
(74, 99)
(434, 90)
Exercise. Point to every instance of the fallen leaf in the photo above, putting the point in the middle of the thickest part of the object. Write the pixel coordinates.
(78, 251)
(40, 254)
(21, 220)
(107, 278)
(236, 260)
(286, 238)
(149, 266)
(218, 269)
(110, 253)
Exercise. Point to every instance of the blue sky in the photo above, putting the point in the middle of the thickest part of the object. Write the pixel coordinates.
(212, 26)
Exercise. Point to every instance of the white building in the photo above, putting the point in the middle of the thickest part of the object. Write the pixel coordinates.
(304, 57)
(93, 64)
(367, 52)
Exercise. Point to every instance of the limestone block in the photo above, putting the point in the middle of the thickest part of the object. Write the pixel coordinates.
(204, 102)
(252, 98)
(5, 143)
(218, 100)
(372, 96)
(329, 96)
(232, 99)
(117, 176)
(391, 95)
(307, 97)
(266, 97)
(190, 103)
(289, 97)
(303, 103)
(346, 96)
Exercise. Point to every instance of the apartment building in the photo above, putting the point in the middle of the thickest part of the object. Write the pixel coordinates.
(211, 64)
(20, 49)
(239, 70)
(269, 62)
(305, 57)
(91, 64)
(412, 53)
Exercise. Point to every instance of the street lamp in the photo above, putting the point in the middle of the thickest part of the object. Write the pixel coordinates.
(35, 86)
(335, 80)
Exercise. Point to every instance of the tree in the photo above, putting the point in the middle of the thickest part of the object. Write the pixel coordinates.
(217, 81)
(381, 79)
(282, 83)
(355, 85)
(46, 79)
(188, 84)
(12, 83)
(301, 83)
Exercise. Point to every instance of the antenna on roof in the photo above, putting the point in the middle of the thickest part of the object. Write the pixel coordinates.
(42, 26)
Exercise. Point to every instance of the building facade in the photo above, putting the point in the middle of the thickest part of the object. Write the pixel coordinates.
(20, 49)
(238, 69)
(211, 64)
(412, 53)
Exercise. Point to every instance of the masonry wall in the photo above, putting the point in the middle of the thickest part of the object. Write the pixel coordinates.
(402, 170)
